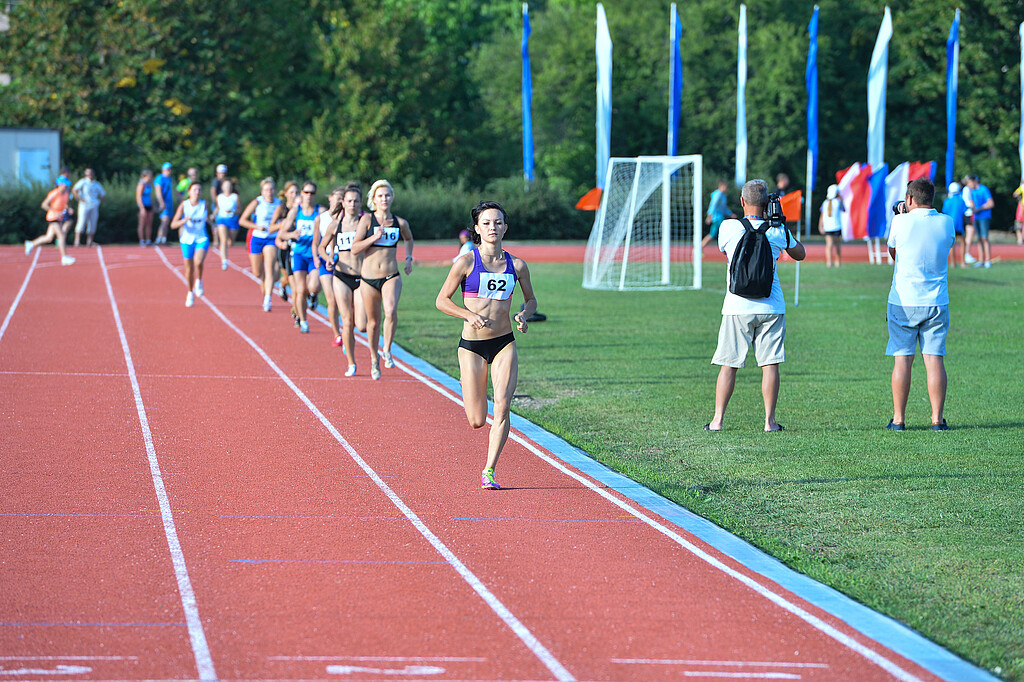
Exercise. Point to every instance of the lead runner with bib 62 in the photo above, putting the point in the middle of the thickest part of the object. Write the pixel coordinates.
(488, 276)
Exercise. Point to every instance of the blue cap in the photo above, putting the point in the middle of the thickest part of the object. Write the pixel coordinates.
(63, 180)
(167, 165)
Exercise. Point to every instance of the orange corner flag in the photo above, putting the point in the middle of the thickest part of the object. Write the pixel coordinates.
(791, 205)
(591, 201)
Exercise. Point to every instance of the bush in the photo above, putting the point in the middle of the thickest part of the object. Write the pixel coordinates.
(434, 210)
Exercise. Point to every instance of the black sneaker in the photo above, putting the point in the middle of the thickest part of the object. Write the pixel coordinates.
(893, 426)
(942, 426)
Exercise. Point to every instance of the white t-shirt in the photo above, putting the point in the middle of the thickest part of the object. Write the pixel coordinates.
(91, 192)
(831, 213)
(227, 205)
(922, 239)
(728, 238)
(194, 229)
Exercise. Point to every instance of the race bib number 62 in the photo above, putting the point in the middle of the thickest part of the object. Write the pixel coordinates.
(496, 286)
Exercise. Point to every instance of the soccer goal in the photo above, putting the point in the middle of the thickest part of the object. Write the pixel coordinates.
(648, 229)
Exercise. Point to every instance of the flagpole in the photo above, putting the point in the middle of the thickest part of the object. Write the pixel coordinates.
(741, 104)
(527, 101)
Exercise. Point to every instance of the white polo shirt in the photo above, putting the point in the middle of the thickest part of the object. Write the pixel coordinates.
(728, 238)
(922, 239)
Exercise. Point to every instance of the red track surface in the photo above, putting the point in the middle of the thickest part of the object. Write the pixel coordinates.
(852, 252)
(301, 565)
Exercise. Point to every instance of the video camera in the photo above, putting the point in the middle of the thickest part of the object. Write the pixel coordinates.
(773, 211)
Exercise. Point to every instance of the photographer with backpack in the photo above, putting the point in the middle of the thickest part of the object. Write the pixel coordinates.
(754, 310)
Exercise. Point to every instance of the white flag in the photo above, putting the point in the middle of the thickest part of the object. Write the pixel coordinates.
(877, 74)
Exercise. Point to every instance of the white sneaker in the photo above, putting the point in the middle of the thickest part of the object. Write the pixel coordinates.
(351, 371)
(67, 260)
(224, 264)
(28, 247)
(190, 300)
(389, 361)
(374, 372)
(199, 287)
(988, 264)
(968, 258)
(266, 304)
(304, 327)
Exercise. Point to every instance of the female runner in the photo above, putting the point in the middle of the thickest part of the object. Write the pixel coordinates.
(258, 216)
(144, 200)
(191, 218)
(488, 276)
(377, 235)
(58, 217)
(299, 226)
(346, 269)
(227, 218)
(288, 196)
(325, 255)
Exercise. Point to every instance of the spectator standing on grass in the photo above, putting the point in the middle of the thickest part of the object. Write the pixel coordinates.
(164, 186)
(1018, 216)
(981, 203)
(144, 192)
(90, 194)
(757, 322)
(956, 208)
(717, 212)
(830, 224)
(918, 310)
(58, 220)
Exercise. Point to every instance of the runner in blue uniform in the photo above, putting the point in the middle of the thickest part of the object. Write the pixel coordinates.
(488, 276)
(300, 226)
(164, 185)
(144, 200)
(258, 217)
(190, 219)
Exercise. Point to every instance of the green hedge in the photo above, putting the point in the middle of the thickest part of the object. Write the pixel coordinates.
(434, 211)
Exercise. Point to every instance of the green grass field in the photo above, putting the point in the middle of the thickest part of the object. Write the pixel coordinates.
(923, 526)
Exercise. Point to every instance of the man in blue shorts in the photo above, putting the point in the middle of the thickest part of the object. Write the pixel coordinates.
(920, 239)
(717, 212)
(956, 208)
(981, 203)
(164, 185)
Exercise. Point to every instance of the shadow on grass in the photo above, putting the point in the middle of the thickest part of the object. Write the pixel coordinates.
(746, 483)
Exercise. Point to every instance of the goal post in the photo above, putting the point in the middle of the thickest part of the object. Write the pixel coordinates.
(647, 231)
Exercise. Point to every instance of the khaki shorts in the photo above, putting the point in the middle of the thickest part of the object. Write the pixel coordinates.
(767, 333)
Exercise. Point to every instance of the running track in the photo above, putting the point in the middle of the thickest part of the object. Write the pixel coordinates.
(199, 494)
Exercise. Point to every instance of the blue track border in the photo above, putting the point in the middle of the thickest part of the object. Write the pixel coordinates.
(880, 628)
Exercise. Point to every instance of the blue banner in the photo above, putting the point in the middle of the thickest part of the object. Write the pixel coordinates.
(741, 102)
(675, 101)
(811, 78)
(952, 67)
(877, 210)
(527, 100)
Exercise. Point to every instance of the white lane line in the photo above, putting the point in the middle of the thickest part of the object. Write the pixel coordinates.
(69, 658)
(524, 634)
(21, 292)
(148, 376)
(766, 592)
(59, 670)
(741, 676)
(204, 662)
(398, 659)
(736, 664)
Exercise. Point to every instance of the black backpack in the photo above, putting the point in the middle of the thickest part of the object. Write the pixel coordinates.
(752, 269)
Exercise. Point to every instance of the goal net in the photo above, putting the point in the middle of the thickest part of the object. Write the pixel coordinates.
(648, 229)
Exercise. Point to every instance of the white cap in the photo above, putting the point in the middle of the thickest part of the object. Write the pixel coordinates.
(833, 191)
(954, 187)
(221, 168)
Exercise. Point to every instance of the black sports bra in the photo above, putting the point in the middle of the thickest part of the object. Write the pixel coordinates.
(391, 233)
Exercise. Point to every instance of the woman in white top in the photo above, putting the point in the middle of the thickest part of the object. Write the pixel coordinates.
(227, 219)
(347, 265)
(377, 237)
(324, 256)
(830, 224)
(190, 219)
(258, 217)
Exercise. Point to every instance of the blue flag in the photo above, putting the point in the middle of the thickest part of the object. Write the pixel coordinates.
(741, 103)
(952, 67)
(527, 99)
(877, 210)
(676, 81)
(811, 77)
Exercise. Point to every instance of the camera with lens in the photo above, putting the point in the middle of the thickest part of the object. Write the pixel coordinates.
(773, 212)
(899, 207)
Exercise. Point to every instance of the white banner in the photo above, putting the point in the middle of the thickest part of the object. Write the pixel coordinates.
(604, 95)
(877, 74)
